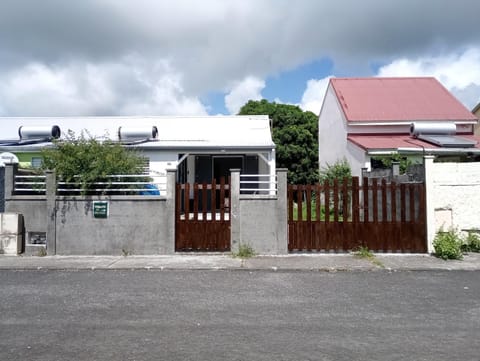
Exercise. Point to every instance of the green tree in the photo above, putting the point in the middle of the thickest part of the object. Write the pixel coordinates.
(84, 160)
(295, 132)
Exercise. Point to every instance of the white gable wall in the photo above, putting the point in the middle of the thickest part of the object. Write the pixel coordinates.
(332, 131)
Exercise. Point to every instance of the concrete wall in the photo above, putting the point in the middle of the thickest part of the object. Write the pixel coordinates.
(453, 196)
(260, 221)
(133, 226)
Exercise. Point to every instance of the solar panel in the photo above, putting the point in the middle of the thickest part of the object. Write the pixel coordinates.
(448, 141)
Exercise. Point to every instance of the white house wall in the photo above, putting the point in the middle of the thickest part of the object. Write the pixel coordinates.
(332, 132)
(357, 158)
(456, 195)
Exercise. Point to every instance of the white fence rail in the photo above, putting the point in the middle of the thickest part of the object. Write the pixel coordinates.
(122, 184)
(111, 185)
(30, 184)
(258, 184)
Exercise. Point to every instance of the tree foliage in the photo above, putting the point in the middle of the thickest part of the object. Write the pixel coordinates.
(84, 159)
(295, 134)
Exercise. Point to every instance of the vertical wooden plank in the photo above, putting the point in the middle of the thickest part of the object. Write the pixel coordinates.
(355, 200)
(403, 206)
(375, 200)
(317, 203)
(365, 189)
(308, 193)
(421, 221)
(394, 243)
(326, 189)
(290, 216)
(346, 200)
(393, 200)
(355, 212)
(195, 201)
(299, 202)
(216, 241)
(384, 188)
(222, 199)
(335, 200)
(178, 199)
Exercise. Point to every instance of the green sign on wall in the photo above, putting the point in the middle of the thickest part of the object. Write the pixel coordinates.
(100, 209)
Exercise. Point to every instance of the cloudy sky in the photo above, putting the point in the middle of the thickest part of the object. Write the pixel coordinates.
(187, 57)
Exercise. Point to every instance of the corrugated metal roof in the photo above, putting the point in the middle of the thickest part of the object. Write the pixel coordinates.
(397, 99)
(175, 132)
(392, 142)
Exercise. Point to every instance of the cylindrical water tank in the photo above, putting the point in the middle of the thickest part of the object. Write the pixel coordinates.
(129, 133)
(432, 128)
(39, 132)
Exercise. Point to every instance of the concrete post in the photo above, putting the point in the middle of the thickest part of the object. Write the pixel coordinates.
(282, 209)
(235, 231)
(395, 169)
(170, 205)
(10, 171)
(429, 206)
(51, 214)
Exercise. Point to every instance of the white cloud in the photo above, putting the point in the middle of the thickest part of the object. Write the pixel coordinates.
(241, 92)
(313, 96)
(128, 87)
(458, 72)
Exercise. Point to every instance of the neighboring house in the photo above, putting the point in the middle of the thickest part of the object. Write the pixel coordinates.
(200, 148)
(365, 118)
(476, 112)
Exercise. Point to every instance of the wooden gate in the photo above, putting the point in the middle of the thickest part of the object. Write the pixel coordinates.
(343, 216)
(202, 217)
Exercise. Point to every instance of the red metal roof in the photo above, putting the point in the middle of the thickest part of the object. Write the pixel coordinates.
(392, 142)
(397, 99)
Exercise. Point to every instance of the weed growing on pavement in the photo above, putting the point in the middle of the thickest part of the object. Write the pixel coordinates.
(448, 245)
(126, 252)
(364, 252)
(42, 252)
(244, 251)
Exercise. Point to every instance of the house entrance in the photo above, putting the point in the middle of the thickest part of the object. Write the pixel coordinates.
(199, 226)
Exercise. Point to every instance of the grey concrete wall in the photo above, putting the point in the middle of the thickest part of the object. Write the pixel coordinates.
(133, 226)
(261, 221)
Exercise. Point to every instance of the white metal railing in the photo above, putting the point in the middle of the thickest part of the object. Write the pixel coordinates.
(123, 184)
(30, 184)
(258, 184)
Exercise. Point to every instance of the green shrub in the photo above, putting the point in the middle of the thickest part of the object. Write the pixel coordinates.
(448, 245)
(471, 243)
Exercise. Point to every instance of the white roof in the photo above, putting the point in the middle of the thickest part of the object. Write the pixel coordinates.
(240, 131)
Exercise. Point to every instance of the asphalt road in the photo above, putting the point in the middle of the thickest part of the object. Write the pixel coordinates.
(239, 315)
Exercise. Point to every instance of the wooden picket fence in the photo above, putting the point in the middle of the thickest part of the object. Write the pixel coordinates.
(202, 217)
(343, 216)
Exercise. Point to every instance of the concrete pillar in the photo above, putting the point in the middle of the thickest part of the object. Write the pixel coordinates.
(51, 215)
(170, 205)
(10, 171)
(282, 209)
(395, 169)
(429, 206)
(235, 231)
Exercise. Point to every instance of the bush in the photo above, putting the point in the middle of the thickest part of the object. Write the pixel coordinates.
(448, 245)
(471, 243)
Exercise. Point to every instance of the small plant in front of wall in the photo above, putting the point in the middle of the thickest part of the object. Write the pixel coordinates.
(42, 252)
(126, 252)
(448, 244)
(471, 243)
(244, 251)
